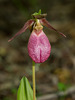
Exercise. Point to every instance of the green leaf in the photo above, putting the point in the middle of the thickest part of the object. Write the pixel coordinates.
(61, 86)
(25, 91)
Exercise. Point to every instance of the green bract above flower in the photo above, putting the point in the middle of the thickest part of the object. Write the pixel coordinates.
(39, 13)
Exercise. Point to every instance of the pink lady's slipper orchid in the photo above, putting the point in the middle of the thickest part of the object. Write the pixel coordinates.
(39, 47)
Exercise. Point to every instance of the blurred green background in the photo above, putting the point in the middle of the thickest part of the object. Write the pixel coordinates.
(14, 59)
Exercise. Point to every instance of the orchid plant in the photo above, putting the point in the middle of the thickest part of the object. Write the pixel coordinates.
(39, 47)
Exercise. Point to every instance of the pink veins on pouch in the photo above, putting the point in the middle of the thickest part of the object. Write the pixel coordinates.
(39, 47)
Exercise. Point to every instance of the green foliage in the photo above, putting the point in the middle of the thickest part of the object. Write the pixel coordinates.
(14, 90)
(25, 91)
(7, 98)
(62, 86)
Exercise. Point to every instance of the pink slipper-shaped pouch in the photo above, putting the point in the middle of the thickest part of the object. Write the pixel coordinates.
(39, 47)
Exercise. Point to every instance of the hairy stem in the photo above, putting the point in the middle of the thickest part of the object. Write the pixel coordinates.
(33, 77)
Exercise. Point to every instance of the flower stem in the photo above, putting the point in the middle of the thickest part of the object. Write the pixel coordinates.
(33, 77)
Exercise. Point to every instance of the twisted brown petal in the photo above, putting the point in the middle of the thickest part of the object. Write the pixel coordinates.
(23, 29)
(44, 22)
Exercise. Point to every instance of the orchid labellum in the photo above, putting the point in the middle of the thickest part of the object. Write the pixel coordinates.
(39, 47)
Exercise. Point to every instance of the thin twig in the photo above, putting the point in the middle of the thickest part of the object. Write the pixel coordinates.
(56, 95)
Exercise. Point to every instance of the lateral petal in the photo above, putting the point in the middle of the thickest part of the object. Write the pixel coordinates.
(44, 22)
(23, 29)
